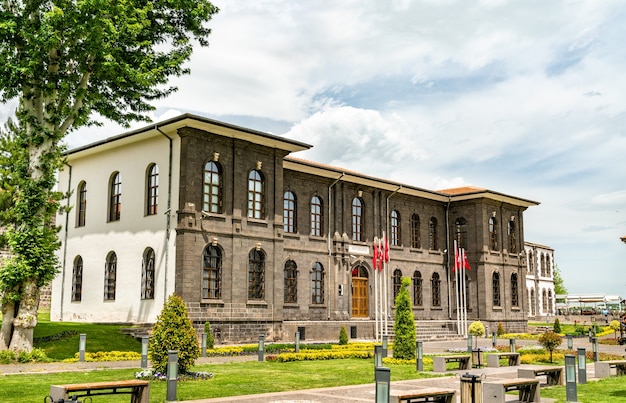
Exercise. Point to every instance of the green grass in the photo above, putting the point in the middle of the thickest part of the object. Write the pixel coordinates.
(608, 390)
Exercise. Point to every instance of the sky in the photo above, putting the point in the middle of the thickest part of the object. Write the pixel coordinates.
(526, 98)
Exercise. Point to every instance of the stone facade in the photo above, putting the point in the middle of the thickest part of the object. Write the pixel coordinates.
(333, 284)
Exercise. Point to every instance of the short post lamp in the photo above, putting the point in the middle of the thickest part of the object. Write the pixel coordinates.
(582, 365)
(594, 348)
(385, 345)
(469, 343)
(570, 379)
(570, 342)
(204, 337)
(420, 356)
(172, 375)
(512, 345)
(144, 352)
(261, 347)
(590, 334)
(378, 356)
(383, 378)
(297, 338)
(486, 332)
(82, 343)
(493, 339)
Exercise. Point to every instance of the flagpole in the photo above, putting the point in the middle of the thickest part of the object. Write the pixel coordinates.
(464, 293)
(456, 277)
(381, 274)
(386, 282)
(375, 269)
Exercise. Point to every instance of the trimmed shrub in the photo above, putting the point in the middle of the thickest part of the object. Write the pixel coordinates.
(210, 340)
(500, 330)
(557, 326)
(404, 326)
(343, 336)
(476, 329)
(173, 331)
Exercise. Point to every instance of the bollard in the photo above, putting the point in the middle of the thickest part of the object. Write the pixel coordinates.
(261, 347)
(385, 345)
(582, 366)
(82, 343)
(493, 339)
(570, 379)
(512, 345)
(471, 388)
(172, 375)
(382, 376)
(486, 332)
(297, 338)
(144, 352)
(469, 343)
(570, 342)
(378, 356)
(420, 356)
(204, 344)
(594, 348)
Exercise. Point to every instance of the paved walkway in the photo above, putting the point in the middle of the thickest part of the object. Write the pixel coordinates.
(347, 394)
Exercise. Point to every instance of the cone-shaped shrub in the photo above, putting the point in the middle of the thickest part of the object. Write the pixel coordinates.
(404, 326)
(173, 331)
(343, 336)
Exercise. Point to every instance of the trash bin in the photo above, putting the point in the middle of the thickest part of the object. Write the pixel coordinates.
(478, 358)
(471, 388)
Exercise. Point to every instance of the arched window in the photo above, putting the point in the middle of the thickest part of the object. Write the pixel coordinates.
(550, 301)
(432, 234)
(110, 277)
(548, 266)
(115, 197)
(81, 203)
(533, 303)
(544, 304)
(256, 274)
(256, 201)
(357, 219)
(212, 272)
(152, 189)
(416, 238)
(514, 290)
(531, 263)
(291, 282)
(418, 299)
(512, 237)
(495, 288)
(397, 282)
(289, 212)
(77, 280)
(435, 284)
(212, 188)
(542, 264)
(317, 283)
(493, 234)
(147, 274)
(460, 226)
(395, 228)
(316, 216)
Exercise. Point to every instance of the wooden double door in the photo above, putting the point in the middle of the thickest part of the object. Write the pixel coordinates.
(360, 293)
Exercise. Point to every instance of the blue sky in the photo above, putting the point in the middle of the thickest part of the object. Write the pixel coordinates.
(525, 98)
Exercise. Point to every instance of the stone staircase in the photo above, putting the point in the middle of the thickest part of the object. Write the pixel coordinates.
(431, 330)
(138, 331)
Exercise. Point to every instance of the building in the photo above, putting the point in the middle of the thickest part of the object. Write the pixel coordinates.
(257, 241)
(540, 280)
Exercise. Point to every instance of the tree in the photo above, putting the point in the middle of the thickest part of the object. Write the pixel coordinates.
(210, 339)
(550, 341)
(404, 343)
(66, 62)
(559, 283)
(500, 330)
(173, 331)
(476, 329)
(343, 336)
(557, 326)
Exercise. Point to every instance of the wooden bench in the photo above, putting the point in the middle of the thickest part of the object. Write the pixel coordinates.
(544, 329)
(139, 390)
(603, 368)
(493, 360)
(424, 395)
(440, 361)
(554, 375)
(494, 391)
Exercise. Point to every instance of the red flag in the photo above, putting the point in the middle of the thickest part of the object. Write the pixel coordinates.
(466, 264)
(381, 255)
(386, 246)
(375, 254)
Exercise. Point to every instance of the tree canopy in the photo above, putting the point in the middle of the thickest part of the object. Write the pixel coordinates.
(68, 62)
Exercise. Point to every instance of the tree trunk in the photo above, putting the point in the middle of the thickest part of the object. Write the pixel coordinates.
(26, 319)
(8, 311)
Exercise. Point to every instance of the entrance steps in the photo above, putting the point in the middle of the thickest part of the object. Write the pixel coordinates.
(432, 330)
